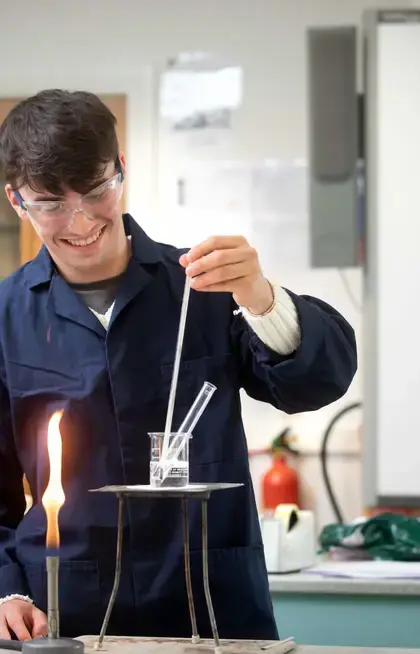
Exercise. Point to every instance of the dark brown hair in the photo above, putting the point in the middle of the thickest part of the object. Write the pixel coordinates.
(58, 140)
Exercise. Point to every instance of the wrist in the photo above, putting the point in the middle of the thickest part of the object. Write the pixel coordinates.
(265, 303)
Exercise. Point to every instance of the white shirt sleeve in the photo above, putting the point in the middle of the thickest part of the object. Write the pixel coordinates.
(279, 329)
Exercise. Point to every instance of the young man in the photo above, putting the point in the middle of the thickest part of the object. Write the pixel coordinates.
(90, 326)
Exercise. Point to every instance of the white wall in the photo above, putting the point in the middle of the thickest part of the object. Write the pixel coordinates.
(112, 46)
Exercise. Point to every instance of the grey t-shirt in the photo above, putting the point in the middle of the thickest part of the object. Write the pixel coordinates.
(99, 296)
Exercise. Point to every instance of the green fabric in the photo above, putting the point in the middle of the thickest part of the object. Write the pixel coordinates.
(387, 537)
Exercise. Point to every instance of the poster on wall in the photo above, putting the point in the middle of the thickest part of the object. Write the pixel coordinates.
(199, 94)
(212, 197)
(208, 182)
(267, 202)
(280, 214)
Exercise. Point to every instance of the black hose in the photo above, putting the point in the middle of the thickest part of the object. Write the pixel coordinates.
(12, 645)
(323, 455)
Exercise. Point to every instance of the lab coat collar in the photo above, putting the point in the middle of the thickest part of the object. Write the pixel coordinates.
(144, 250)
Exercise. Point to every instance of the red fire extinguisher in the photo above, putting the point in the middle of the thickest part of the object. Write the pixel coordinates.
(280, 484)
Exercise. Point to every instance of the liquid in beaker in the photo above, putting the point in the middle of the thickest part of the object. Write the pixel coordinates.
(173, 470)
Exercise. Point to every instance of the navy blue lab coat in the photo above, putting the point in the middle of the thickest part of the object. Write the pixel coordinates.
(114, 388)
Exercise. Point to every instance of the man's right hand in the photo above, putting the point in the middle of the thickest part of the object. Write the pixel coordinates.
(23, 620)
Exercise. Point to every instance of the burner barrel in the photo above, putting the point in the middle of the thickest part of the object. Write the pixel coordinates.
(53, 646)
(53, 564)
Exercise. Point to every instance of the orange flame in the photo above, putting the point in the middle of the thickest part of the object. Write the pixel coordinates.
(53, 498)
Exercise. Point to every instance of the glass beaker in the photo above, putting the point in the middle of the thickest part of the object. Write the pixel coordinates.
(172, 470)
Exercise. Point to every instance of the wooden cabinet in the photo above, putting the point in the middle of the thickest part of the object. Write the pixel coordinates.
(19, 242)
(9, 236)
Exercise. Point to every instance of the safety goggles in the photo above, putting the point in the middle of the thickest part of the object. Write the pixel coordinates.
(53, 214)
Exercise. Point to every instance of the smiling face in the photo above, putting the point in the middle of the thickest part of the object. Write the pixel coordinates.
(64, 173)
(84, 234)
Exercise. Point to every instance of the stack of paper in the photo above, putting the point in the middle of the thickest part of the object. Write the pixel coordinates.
(369, 569)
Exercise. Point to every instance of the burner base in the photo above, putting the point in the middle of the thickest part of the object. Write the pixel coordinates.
(53, 646)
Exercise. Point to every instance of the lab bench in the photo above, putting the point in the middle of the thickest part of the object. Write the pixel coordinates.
(299, 650)
(339, 611)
